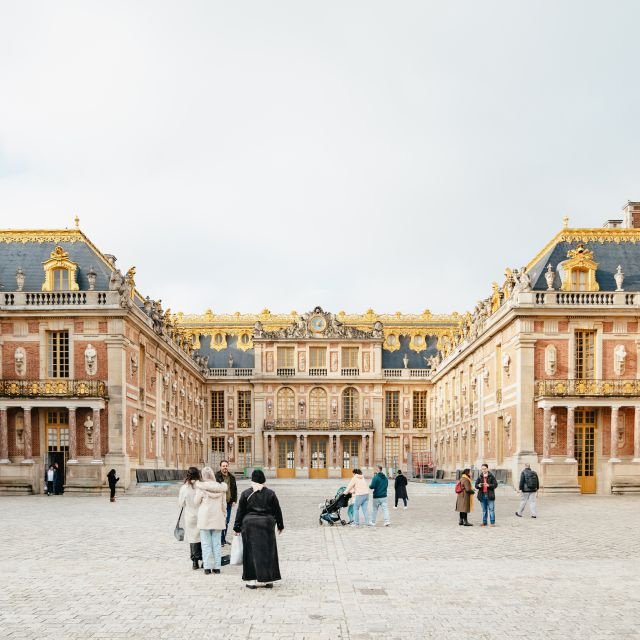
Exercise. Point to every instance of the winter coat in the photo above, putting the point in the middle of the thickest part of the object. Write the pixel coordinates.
(111, 479)
(400, 486)
(379, 484)
(358, 486)
(529, 482)
(463, 500)
(186, 500)
(230, 480)
(492, 483)
(212, 504)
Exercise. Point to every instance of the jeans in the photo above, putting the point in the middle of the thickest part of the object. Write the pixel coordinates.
(528, 498)
(49, 487)
(211, 549)
(379, 503)
(362, 502)
(488, 507)
(224, 532)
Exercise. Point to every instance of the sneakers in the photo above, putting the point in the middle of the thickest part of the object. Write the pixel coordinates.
(483, 524)
(395, 507)
(371, 524)
(519, 514)
(493, 525)
(534, 516)
(386, 524)
(406, 508)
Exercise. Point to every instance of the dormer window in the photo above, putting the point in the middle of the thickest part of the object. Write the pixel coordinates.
(59, 272)
(578, 273)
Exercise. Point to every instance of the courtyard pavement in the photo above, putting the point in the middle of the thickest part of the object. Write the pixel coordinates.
(81, 567)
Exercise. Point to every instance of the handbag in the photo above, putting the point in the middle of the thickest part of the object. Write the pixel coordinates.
(225, 560)
(236, 550)
(178, 532)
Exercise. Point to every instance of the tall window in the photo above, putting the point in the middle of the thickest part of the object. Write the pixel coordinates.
(318, 404)
(392, 452)
(286, 404)
(244, 451)
(217, 409)
(579, 280)
(285, 357)
(318, 357)
(244, 409)
(350, 404)
(419, 409)
(60, 280)
(585, 355)
(392, 409)
(349, 357)
(58, 354)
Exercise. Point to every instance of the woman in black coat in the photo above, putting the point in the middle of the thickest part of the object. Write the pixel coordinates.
(257, 517)
(111, 478)
(400, 487)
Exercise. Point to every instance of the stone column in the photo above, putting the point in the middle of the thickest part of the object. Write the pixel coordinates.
(28, 455)
(613, 454)
(265, 451)
(4, 437)
(546, 436)
(636, 435)
(97, 454)
(73, 437)
(571, 429)
(364, 452)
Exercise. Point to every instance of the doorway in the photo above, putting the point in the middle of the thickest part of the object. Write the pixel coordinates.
(286, 457)
(57, 426)
(350, 452)
(585, 449)
(318, 457)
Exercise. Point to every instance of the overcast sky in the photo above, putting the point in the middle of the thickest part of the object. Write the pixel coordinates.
(394, 155)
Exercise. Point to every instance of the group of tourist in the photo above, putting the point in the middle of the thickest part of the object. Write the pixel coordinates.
(485, 486)
(360, 489)
(54, 481)
(207, 500)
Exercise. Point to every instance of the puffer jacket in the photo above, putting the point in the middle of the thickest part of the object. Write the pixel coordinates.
(211, 501)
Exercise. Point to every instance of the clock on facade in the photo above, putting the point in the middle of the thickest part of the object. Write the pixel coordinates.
(317, 324)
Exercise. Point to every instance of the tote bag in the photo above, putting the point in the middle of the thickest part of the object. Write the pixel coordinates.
(178, 532)
(236, 550)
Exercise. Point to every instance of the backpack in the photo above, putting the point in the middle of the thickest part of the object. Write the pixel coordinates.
(530, 481)
(459, 487)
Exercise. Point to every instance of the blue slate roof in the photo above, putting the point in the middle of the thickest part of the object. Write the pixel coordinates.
(220, 359)
(31, 255)
(608, 255)
(393, 359)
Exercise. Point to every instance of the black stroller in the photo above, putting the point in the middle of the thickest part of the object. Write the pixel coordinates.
(331, 508)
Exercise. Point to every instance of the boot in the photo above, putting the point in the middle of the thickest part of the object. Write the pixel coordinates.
(196, 564)
(112, 499)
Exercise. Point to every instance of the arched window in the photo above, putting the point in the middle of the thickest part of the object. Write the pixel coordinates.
(350, 403)
(318, 404)
(286, 404)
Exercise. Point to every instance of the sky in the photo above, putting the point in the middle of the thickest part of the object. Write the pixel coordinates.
(348, 154)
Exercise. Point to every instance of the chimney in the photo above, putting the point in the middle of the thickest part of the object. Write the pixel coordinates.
(632, 215)
(613, 224)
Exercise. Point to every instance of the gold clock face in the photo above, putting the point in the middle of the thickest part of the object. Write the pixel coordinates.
(317, 324)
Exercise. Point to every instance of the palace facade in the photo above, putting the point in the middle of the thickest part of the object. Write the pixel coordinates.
(543, 371)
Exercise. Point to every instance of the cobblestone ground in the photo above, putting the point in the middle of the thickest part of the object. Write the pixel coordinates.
(85, 568)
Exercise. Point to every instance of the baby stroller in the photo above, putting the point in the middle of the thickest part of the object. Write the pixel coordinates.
(331, 508)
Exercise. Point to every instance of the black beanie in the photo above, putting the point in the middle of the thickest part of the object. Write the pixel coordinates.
(258, 477)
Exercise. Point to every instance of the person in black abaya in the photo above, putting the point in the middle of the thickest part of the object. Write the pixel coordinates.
(257, 517)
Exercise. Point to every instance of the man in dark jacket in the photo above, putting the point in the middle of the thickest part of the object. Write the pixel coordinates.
(529, 485)
(379, 484)
(224, 475)
(486, 487)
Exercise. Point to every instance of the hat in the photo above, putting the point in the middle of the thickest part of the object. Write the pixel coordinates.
(258, 477)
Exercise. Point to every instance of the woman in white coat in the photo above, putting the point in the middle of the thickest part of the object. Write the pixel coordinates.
(186, 499)
(212, 518)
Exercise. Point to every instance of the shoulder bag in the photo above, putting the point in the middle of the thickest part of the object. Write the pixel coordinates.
(178, 532)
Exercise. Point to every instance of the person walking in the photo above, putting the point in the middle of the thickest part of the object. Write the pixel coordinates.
(112, 480)
(186, 500)
(51, 479)
(486, 485)
(463, 499)
(58, 485)
(257, 517)
(400, 488)
(359, 487)
(529, 485)
(379, 484)
(224, 475)
(212, 511)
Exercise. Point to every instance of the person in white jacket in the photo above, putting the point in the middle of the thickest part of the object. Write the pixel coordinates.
(210, 499)
(360, 487)
(185, 499)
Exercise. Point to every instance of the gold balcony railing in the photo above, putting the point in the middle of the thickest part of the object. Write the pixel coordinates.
(291, 424)
(585, 388)
(61, 388)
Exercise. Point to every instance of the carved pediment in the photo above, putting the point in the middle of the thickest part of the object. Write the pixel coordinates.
(318, 324)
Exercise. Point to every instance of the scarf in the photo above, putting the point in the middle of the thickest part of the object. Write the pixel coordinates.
(256, 487)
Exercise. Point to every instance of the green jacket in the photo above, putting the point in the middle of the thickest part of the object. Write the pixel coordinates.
(379, 484)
